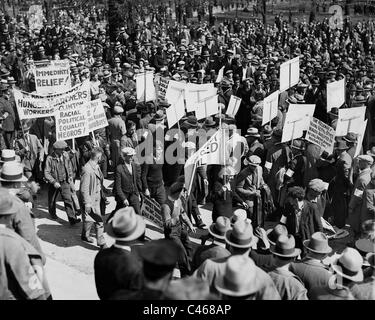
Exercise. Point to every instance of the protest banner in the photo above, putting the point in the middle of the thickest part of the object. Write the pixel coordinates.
(321, 134)
(350, 120)
(207, 107)
(162, 87)
(210, 153)
(96, 116)
(176, 111)
(233, 106)
(194, 93)
(35, 17)
(151, 211)
(32, 106)
(145, 86)
(174, 90)
(297, 120)
(361, 135)
(220, 75)
(270, 107)
(52, 77)
(335, 94)
(289, 74)
(71, 113)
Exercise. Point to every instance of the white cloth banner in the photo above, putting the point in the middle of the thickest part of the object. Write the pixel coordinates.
(52, 77)
(97, 118)
(335, 94)
(270, 107)
(145, 86)
(350, 120)
(233, 106)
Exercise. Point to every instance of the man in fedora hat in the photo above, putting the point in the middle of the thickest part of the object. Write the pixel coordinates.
(30, 150)
(347, 269)
(356, 201)
(300, 216)
(289, 286)
(119, 267)
(253, 140)
(239, 240)
(91, 192)
(311, 269)
(365, 289)
(58, 172)
(22, 275)
(216, 249)
(128, 184)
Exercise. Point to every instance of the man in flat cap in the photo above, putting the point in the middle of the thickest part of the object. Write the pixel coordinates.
(356, 201)
(58, 172)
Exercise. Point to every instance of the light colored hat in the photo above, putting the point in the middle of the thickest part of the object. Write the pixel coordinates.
(317, 185)
(12, 172)
(118, 110)
(241, 236)
(126, 225)
(252, 161)
(318, 243)
(349, 265)
(240, 277)
(7, 204)
(7, 155)
(365, 245)
(285, 247)
(252, 132)
(366, 158)
(220, 227)
(128, 151)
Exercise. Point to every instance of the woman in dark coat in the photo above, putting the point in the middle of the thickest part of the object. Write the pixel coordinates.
(224, 194)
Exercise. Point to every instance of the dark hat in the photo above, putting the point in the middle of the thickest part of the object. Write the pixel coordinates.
(159, 115)
(298, 144)
(273, 234)
(209, 122)
(341, 145)
(318, 243)
(191, 121)
(241, 236)
(60, 145)
(159, 258)
(334, 112)
(176, 188)
(350, 137)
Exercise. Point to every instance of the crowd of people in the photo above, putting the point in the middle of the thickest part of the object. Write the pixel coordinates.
(310, 196)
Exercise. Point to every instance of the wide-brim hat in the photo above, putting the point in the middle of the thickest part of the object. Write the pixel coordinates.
(240, 236)
(285, 247)
(365, 245)
(12, 172)
(318, 243)
(220, 227)
(8, 155)
(209, 122)
(239, 280)
(125, 225)
(348, 256)
(7, 205)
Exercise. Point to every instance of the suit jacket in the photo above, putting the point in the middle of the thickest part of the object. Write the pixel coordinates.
(312, 273)
(356, 200)
(29, 151)
(290, 287)
(90, 187)
(50, 171)
(212, 251)
(126, 183)
(116, 269)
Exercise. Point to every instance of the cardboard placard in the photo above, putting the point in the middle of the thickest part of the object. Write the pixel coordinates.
(151, 211)
(233, 106)
(289, 74)
(176, 111)
(335, 94)
(321, 134)
(270, 107)
(195, 93)
(96, 116)
(220, 75)
(361, 135)
(207, 107)
(145, 86)
(350, 120)
(52, 77)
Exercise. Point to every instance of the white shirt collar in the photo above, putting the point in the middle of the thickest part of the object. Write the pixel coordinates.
(127, 248)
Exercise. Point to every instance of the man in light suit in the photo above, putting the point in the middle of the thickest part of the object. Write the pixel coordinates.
(30, 150)
(91, 194)
(128, 182)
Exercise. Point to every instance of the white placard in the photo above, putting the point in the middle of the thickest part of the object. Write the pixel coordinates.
(350, 120)
(176, 111)
(207, 107)
(335, 94)
(270, 107)
(233, 106)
